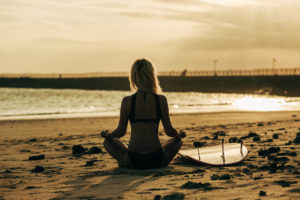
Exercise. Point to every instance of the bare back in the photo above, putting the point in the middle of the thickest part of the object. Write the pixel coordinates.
(144, 128)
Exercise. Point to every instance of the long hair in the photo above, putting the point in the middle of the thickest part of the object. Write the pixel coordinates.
(143, 77)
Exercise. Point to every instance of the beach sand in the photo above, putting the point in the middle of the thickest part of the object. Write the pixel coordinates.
(97, 176)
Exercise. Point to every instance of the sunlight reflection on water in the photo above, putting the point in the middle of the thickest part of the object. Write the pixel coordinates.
(259, 104)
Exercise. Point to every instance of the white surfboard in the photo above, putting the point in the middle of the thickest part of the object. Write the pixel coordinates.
(217, 155)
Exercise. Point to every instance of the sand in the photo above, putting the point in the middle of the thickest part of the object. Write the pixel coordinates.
(62, 175)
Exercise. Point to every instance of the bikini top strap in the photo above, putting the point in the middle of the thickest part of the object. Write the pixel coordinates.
(158, 110)
(132, 108)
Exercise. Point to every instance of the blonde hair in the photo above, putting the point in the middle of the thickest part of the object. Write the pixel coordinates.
(143, 77)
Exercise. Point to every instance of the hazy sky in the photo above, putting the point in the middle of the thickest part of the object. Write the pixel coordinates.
(42, 36)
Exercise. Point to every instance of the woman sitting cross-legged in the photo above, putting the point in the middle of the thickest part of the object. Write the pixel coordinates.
(144, 109)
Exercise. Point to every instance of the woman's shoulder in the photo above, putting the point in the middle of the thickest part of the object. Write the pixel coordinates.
(162, 98)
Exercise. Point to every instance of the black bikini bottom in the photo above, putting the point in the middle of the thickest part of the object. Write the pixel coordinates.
(146, 161)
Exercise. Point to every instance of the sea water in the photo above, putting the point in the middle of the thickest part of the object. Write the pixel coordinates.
(20, 103)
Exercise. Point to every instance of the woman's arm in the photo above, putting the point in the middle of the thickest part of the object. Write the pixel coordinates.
(165, 118)
(122, 127)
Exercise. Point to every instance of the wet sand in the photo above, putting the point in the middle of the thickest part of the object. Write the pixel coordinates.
(56, 173)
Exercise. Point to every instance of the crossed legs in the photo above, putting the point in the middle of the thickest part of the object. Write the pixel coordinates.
(118, 150)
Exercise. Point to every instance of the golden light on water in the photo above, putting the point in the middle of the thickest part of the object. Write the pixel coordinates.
(259, 104)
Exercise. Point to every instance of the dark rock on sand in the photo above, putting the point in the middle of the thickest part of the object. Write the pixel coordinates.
(215, 137)
(219, 133)
(38, 169)
(297, 139)
(7, 171)
(256, 139)
(174, 196)
(89, 163)
(288, 153)
(247, 171)
(78, 150)
(193, 185)
(199, 144)
(278, 159)
(260, 124)
(33, 140)
(285, 183)
(157, 197)
(222, 177)
(206, 138)
(288, 143)
(262, 193)
(275, 136)
(25, 151)
(233, 140)
(243, 137)
(94, 150)
(296, 190)
(252, 134)
(251, 166)
(271, 167)
(267, 152)
(39, 157)
(60, 134)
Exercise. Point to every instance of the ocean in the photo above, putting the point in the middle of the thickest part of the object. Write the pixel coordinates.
(20, 103)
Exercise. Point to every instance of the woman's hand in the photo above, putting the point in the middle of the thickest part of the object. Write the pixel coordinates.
(106, 135)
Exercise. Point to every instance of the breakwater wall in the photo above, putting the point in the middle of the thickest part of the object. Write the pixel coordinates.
(277, 85)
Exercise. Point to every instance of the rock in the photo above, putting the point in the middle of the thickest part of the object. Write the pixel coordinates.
(232, 140)
(199, 144)
(219, 133)
(243, 137)
(252, 134)
(262, 193)
(251, 166)
(247, 171)
(278, 159)
(33, 140)
(285, 183)
(193, 185)
(89, 163)
(78, 150)
(206, 138)
(281, 129)
(222, 177)
(39, 157)
(94, 150)
(215, 137)
(256, 139)
(214, 177)
(174, 196)
(38, 169)
(297, 139)
(7, 171)
(296, 190)
(275, 136)
(260, 124)
(274, 149)
(157, 197)
(288, 143)
(60, 134)
(294, 115)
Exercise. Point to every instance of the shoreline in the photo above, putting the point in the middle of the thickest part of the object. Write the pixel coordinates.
(84, 125)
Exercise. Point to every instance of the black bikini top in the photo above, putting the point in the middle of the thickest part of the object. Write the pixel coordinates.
(131, 116)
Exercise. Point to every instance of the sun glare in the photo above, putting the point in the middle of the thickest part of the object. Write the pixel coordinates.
(259, 104)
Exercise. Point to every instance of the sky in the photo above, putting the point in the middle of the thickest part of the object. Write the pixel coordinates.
(79, 36)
